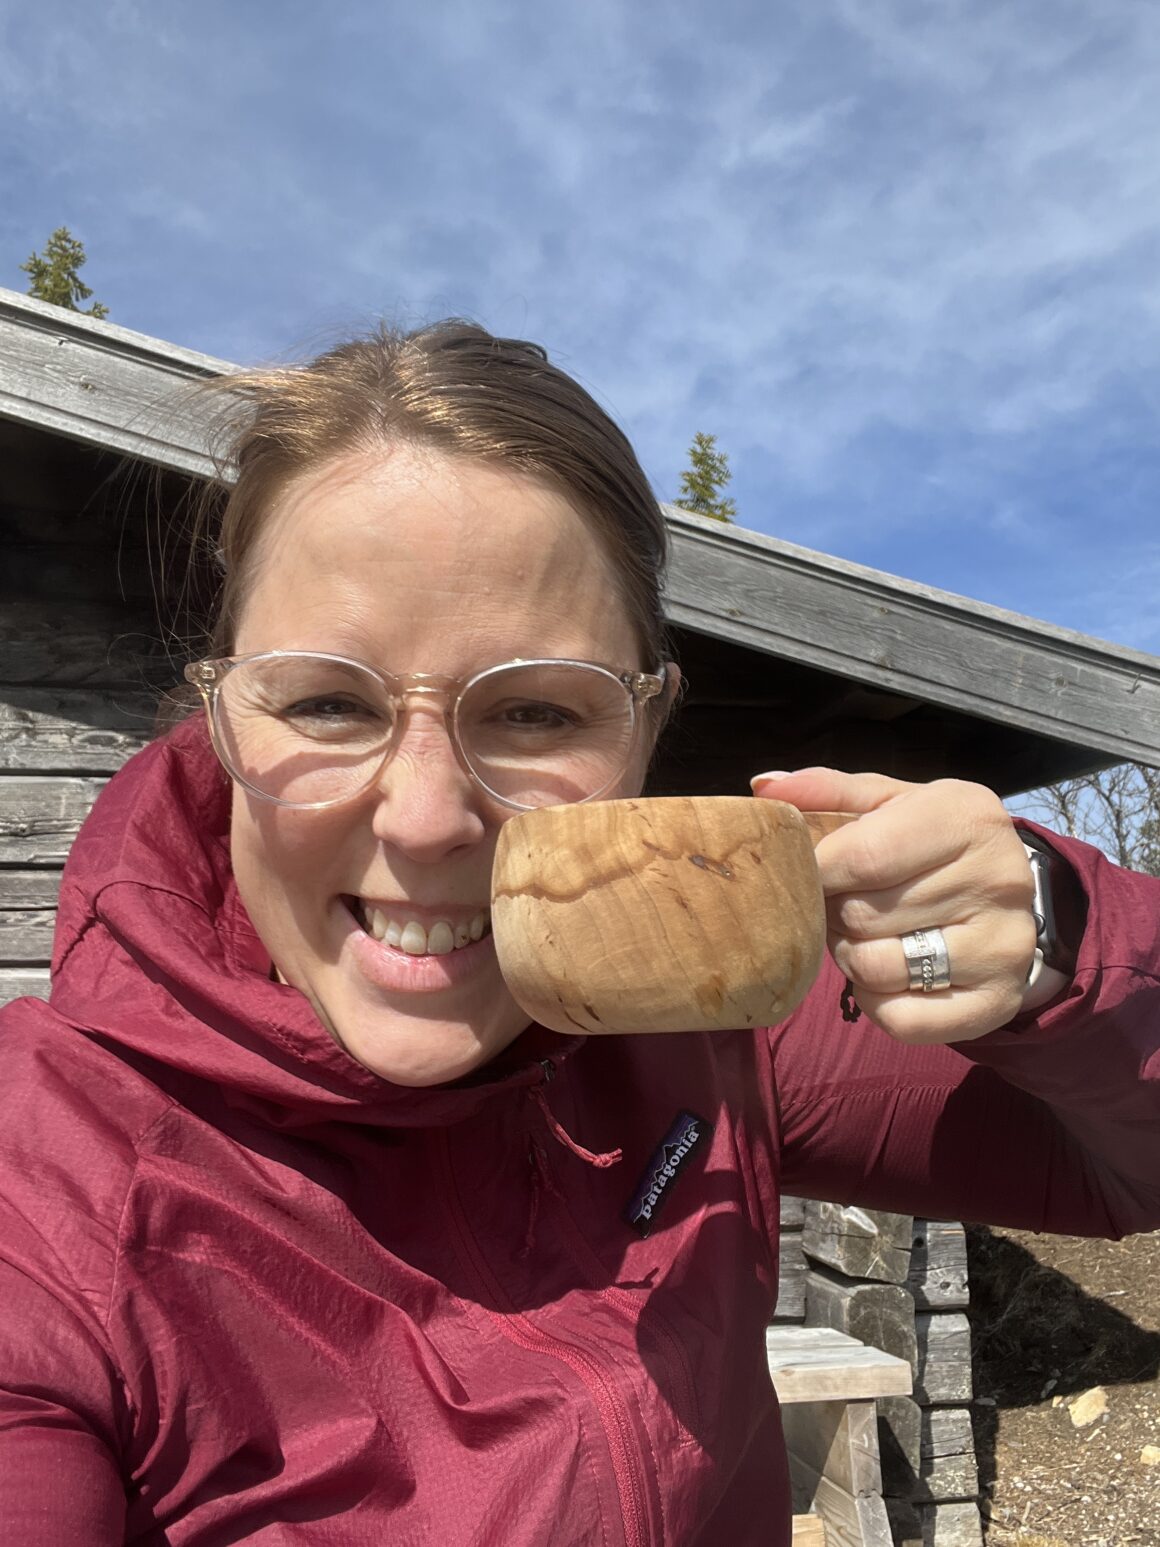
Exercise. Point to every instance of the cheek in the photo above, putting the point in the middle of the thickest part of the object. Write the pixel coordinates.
(636, 773)
(281, 860)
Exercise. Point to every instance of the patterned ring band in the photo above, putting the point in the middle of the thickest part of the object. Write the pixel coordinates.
(928, 965)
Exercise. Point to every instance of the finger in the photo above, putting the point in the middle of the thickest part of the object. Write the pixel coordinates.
(995, 950)
(828, 789)
(927, 828)
(879, 966)
(955, 1015)
(953, 894)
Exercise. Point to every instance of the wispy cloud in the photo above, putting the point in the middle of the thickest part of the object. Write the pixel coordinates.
(903, 259)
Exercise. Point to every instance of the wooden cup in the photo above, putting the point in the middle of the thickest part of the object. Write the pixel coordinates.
(677, 914)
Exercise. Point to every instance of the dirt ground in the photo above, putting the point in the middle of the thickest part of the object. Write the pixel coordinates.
(1067, 1379)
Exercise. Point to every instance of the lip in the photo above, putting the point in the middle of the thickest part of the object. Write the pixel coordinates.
(398, 972)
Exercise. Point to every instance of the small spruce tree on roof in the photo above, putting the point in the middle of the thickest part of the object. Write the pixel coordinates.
(54, 277)
(703, 480)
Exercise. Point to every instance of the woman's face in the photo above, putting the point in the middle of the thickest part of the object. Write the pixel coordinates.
(413, 562)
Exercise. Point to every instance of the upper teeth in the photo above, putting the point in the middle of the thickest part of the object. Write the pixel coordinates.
(414, 938)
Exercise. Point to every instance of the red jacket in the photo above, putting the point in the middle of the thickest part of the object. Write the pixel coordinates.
(251, 1292)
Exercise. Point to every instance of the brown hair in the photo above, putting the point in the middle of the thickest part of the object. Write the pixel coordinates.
(455, 387)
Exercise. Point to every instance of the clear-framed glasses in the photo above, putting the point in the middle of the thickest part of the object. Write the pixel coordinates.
(311, 730)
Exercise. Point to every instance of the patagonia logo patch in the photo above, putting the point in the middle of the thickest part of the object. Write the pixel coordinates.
(674, 1152)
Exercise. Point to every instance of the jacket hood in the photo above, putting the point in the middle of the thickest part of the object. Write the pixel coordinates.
(155, 954)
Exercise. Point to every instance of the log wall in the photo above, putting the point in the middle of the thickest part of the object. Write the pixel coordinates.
(81, 670)
(901, 1284)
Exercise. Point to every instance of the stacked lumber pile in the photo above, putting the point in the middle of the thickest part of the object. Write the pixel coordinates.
(898, 1284)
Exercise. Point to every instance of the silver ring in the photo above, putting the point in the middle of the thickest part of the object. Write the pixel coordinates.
(928, 963)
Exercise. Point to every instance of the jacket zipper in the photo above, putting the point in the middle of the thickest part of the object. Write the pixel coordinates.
(594, 1271)
(608, 1402)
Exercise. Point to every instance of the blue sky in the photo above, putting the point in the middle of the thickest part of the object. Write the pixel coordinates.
(901, 256)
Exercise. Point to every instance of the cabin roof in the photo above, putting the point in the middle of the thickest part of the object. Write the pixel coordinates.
(771, 624)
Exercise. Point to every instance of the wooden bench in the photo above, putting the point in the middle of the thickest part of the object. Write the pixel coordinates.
(827, 1384)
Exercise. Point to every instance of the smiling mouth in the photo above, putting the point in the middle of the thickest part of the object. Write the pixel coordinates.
(403, 933)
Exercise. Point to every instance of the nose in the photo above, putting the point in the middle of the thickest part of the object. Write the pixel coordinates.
(427, 807)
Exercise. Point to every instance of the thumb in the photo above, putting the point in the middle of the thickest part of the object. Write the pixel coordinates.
(828, 789)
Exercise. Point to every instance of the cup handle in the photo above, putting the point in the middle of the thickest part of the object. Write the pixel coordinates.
(822, 823)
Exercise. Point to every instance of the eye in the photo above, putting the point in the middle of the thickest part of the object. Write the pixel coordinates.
(331, 707)
(534, 715)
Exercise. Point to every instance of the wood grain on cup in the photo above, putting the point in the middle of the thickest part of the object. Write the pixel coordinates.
(676, 914)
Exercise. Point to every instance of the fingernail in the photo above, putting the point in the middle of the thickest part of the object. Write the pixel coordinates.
(774, 773)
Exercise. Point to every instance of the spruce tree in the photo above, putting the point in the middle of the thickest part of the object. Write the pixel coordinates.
(704, 478)
(53, 274)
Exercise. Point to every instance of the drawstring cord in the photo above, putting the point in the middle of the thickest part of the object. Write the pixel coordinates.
(542, 1179)
(561, 1134)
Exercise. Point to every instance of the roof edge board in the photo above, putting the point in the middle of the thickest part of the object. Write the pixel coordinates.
(693, 531)
(1064, 727)
(106, 437)
(107, 387)
(107, 337)
(110, 412)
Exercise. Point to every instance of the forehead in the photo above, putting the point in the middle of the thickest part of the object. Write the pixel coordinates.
(406, 552)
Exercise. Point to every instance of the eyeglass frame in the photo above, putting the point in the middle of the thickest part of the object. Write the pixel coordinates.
(208, 675)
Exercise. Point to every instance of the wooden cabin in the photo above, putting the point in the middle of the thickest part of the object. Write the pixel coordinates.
(792, 658)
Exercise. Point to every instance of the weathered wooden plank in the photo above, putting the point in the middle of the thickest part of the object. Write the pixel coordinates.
(938, 1266)
(945, 1467)
(29, 888)
(862, 1243)
(830, 1367)
(79, 729)
(912, 639)
(900, 1444)
(80, 645)
(948, 1468)
(836, 1439)
(793, 1212)
(40, 817)
(813, 1337)
(935, 1525)
(791, 1278)
(102, 384)
(943, 1371)
(808, 1531)
(881, 1315)
(26, 934)
(17, 982)
(851, 1519)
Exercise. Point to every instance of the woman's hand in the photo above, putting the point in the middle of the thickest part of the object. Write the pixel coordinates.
(921, 856)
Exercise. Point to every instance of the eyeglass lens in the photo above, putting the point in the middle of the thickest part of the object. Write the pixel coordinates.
(305, 730)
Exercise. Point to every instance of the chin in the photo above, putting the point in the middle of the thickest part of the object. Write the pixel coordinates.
(419, 1050)
(438, 1052)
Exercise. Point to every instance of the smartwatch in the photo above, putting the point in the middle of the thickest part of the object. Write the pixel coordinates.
(1058, 909)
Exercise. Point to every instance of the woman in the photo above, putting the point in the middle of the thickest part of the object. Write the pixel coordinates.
(305, 1236)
